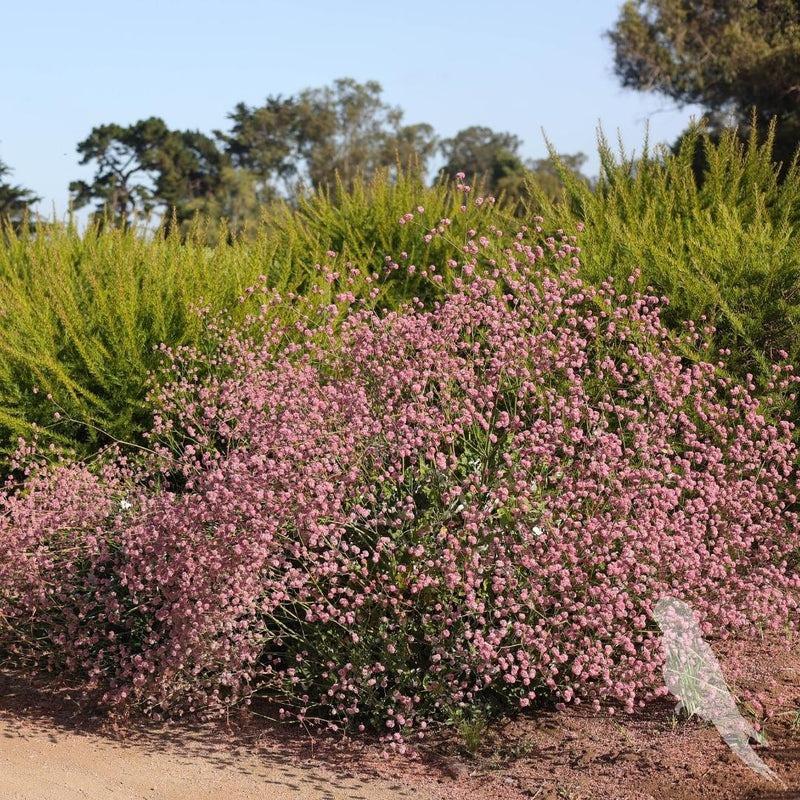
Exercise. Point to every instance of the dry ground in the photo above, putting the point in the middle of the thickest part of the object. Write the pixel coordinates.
(53, 747)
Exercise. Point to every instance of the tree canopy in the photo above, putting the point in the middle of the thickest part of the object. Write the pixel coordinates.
(479, 150)
(321, 138)
(324, 134)
(729, 56)
(147, 167)
(125, 159)
(14, 200)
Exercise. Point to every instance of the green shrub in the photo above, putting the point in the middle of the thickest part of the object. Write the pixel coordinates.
(81, 314)
(725, 246)
(362, 226)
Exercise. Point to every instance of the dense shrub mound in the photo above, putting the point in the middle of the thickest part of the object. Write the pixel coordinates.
(80, 312)
(715, 227)
(441, 512)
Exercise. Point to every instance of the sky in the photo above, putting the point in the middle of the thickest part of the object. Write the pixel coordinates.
(518, 66)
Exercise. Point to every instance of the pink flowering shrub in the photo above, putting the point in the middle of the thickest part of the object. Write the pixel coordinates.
(56, 550)
(417, 515)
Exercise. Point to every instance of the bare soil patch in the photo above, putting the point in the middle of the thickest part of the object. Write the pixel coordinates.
(53, 746)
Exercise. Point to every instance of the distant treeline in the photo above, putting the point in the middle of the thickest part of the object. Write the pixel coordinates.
(316, 140)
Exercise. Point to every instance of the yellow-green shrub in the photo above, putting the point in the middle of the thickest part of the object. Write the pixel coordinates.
(724, 244)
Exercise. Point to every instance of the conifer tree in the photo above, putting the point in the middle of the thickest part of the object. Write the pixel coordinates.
(727, 56)
(14, 200)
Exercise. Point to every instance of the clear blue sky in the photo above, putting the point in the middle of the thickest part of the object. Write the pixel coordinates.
(517, 66)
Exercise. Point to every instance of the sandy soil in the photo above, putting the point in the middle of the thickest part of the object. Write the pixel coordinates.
(53, 747)
(39, 762)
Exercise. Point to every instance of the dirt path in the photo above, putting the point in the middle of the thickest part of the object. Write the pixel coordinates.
(40, 763)
(51, 748)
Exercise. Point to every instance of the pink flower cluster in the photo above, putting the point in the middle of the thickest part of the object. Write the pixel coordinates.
(450, 510)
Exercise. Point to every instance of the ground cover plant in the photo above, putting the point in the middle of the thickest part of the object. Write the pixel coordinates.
(392, 518)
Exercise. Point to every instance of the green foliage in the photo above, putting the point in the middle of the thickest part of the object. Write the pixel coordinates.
(322, 136)
(146, 167)
(81, 314)
(362, 227)
(725, 247)
(14, 200)
(494, 158)
(727, 57)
